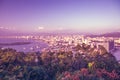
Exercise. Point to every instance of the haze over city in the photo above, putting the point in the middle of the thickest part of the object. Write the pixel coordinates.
(89, 16)
(59, 39)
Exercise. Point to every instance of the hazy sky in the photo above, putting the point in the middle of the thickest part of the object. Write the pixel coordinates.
(93, 16)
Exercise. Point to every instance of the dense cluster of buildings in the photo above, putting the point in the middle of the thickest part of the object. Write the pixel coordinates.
(67, 42)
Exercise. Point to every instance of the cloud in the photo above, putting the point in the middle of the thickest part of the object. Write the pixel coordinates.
(7, 28)
(60, 28)
(40, 28)
(1, 27)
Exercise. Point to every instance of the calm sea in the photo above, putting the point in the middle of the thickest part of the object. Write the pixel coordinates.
(34, 45)
(117, 54)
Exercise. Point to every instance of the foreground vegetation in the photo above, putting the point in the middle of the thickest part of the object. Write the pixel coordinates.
(86, 64)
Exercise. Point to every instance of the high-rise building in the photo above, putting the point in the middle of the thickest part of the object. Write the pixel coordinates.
(108, 45)
(111, 45)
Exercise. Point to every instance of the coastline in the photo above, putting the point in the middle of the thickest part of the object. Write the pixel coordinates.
(15, 43)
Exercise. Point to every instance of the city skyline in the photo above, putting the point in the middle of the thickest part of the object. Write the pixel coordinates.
(89, 16)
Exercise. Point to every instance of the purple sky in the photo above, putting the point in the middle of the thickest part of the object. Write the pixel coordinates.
(94, 16)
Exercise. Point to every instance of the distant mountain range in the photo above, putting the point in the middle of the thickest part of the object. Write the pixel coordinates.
(4, 32)
(112, 34)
